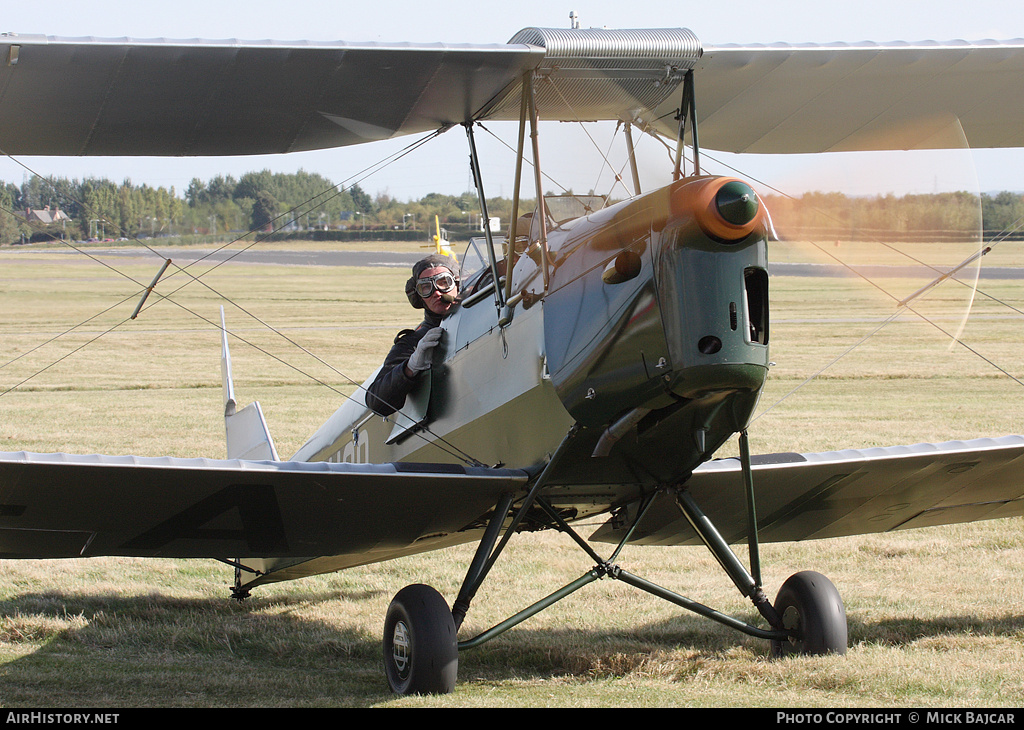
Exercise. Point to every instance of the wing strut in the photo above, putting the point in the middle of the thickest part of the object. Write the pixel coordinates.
(474, 162)
(527, 109)
(631, 148)
(513, 228)
(542, 212)
(687, 110)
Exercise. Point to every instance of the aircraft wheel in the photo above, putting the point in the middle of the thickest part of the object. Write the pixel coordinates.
(421, 654)
(811, 607)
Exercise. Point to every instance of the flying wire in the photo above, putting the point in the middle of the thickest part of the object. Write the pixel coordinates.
(438, 441)
(376, 167)
(955, 338)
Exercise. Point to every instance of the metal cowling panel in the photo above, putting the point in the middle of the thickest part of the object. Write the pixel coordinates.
(602, 74)
(677, 44)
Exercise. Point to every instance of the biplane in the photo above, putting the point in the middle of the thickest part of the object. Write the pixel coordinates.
(600, 355)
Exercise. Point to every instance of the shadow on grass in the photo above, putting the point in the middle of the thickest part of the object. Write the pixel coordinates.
(82, 649)
(109, 650)
(676, 647)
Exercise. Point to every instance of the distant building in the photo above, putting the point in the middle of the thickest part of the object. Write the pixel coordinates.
(45, 216)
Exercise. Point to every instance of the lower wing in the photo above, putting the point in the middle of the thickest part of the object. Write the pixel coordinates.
(63, 506)
(853, 492)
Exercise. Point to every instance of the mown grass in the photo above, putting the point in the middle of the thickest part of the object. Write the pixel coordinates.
(936, 616)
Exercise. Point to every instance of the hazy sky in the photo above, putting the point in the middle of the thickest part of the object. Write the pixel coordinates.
(443, 168)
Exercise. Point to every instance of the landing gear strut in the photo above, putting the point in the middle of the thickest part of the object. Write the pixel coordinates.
(420, 633)
(421, 648)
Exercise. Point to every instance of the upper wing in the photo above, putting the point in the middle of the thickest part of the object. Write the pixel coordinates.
(62, 506)
(840, 97)
(85, 96)
(810, 496)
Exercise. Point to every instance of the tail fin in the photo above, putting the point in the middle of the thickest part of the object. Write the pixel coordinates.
(247, 434)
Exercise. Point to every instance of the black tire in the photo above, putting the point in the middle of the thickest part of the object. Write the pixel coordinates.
(421, 654)
(810, 606)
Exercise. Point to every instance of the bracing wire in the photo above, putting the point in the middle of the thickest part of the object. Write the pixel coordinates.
(423, 433)
(372, 169)
(955, 338)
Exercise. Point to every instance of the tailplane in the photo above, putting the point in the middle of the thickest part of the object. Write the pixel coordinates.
(248, 437)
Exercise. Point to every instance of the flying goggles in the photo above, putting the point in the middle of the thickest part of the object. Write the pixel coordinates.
(443, 282)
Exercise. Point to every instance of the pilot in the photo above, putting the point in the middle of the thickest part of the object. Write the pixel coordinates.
(433, 287)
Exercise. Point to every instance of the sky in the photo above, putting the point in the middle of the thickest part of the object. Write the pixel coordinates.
(442, 166)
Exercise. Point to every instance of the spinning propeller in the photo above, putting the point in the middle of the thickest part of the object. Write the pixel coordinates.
(890, 245)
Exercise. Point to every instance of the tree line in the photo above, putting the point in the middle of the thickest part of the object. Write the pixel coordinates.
(924, 217)
(98, 208)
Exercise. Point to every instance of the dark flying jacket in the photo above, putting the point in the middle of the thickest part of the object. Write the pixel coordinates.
(389, 389)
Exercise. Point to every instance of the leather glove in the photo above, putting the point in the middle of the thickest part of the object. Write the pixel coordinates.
(421, 356)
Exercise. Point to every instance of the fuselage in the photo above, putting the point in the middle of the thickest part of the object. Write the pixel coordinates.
(650, 336)
(643, 350)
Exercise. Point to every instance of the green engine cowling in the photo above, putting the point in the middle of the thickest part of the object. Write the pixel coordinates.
(662, 303)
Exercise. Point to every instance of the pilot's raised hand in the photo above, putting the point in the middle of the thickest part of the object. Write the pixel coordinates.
(424, 352)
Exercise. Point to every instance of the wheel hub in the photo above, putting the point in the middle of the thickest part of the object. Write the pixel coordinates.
(791, 622)
(791, 618)
(400, 650)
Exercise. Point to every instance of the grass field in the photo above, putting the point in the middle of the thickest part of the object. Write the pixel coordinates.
(936, 616)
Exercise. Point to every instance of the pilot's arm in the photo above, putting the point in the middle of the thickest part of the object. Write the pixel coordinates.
(409, 357)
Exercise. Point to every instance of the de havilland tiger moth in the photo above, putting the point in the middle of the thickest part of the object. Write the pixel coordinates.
(599, 357)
